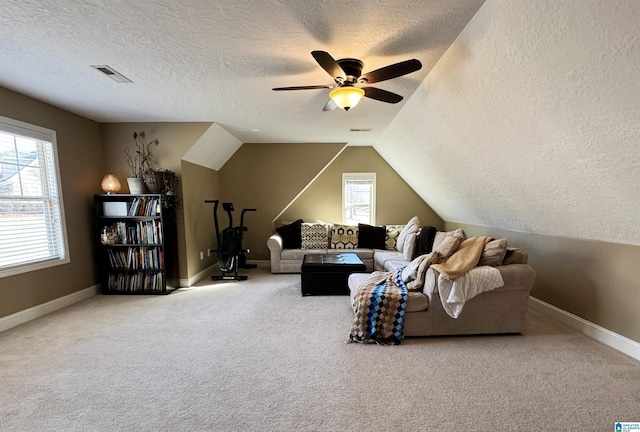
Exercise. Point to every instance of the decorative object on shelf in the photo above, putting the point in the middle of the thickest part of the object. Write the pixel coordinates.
(147, 179)
(140, 162)
(136, 185)
(108, 236)
(110, 184)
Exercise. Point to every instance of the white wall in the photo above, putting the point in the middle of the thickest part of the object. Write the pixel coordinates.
(530, 121)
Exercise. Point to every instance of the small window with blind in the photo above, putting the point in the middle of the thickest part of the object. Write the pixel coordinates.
(32, 228)
(358, 198)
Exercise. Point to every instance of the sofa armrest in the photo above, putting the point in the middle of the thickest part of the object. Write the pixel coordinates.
(516, 277)
(275, 249)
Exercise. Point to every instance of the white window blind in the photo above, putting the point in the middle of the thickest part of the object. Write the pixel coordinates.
(32, 233)
(358, 198)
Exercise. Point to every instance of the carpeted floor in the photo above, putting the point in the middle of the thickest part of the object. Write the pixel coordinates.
(256, 356)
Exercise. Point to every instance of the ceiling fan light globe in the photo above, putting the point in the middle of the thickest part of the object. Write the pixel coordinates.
(346, 97)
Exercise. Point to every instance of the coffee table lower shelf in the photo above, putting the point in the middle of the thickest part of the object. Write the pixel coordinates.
(327, 274)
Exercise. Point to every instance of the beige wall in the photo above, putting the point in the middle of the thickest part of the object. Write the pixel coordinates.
(199, 184)
(175, 139)
(82, 167)
(595, 280)
(269, 176)
(396, 202)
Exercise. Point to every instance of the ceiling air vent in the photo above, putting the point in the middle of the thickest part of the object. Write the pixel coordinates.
(112, 73)
(359, 130)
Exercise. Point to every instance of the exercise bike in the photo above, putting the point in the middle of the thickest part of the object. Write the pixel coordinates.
(229, 250)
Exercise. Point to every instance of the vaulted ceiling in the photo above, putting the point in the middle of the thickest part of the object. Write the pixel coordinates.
(530, 121)
(524, 115)
(202, 60)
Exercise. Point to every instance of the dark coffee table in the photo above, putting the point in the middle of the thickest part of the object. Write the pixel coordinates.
(327, 274)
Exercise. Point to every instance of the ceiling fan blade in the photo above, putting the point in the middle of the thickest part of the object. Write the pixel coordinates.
(330, 105)
(311, 87)
(381, 95)
(329, 64)
(392, 71)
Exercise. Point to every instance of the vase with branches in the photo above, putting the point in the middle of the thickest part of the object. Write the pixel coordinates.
(156, 180)
(139, 160)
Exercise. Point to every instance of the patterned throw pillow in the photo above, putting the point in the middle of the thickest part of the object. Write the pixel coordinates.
(391, 239)
(344, 237)
(314, 236)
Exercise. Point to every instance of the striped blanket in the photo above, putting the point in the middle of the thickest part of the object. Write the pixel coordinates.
(380, 305)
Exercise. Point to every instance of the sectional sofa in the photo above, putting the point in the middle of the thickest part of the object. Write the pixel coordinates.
(502, 309)
(373, 245)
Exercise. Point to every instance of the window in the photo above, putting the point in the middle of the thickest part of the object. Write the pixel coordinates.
(32, 229)
(358, 198)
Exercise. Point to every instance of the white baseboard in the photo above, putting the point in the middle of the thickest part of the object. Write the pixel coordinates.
(607, 337)
(185, 283)
(46, 308)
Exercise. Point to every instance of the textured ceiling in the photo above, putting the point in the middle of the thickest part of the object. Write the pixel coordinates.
(203, 60)
(530, 121)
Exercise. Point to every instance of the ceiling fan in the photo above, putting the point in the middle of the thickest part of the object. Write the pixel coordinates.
(350, 82)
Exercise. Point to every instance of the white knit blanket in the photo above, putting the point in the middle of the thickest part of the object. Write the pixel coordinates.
(454, 293)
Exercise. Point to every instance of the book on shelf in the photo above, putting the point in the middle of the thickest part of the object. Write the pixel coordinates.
(145, 206)
(136, 259)
(136, 282)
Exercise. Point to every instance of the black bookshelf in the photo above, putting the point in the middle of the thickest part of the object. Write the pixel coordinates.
(132, 238)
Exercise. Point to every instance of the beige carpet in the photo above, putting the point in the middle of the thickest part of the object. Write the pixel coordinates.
(256, 356)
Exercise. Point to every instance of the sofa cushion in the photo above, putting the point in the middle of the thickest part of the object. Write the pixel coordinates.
(291, 235)
(394, 265)
(298, 254)
(371, 237)
(417, 301)
(344, 237)
(382, 256)
(314, 236)
(391, 237)
(493, 253)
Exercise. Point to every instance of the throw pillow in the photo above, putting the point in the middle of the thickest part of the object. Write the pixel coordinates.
(407, 238)
(314, 236)
(291, 235)
(344, 237)
(515, 256)
(411, 227)
(448, 245)
(493, 253)
(440, 235)
(424, 241)
(391, 238)
(371, 237)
